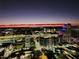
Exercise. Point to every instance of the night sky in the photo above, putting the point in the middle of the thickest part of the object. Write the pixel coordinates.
(39, 11)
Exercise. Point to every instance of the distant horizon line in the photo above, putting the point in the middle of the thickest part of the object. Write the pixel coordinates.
(39, 24)
(33, 25)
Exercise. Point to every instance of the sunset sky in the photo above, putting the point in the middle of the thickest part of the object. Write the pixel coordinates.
(39, 11)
